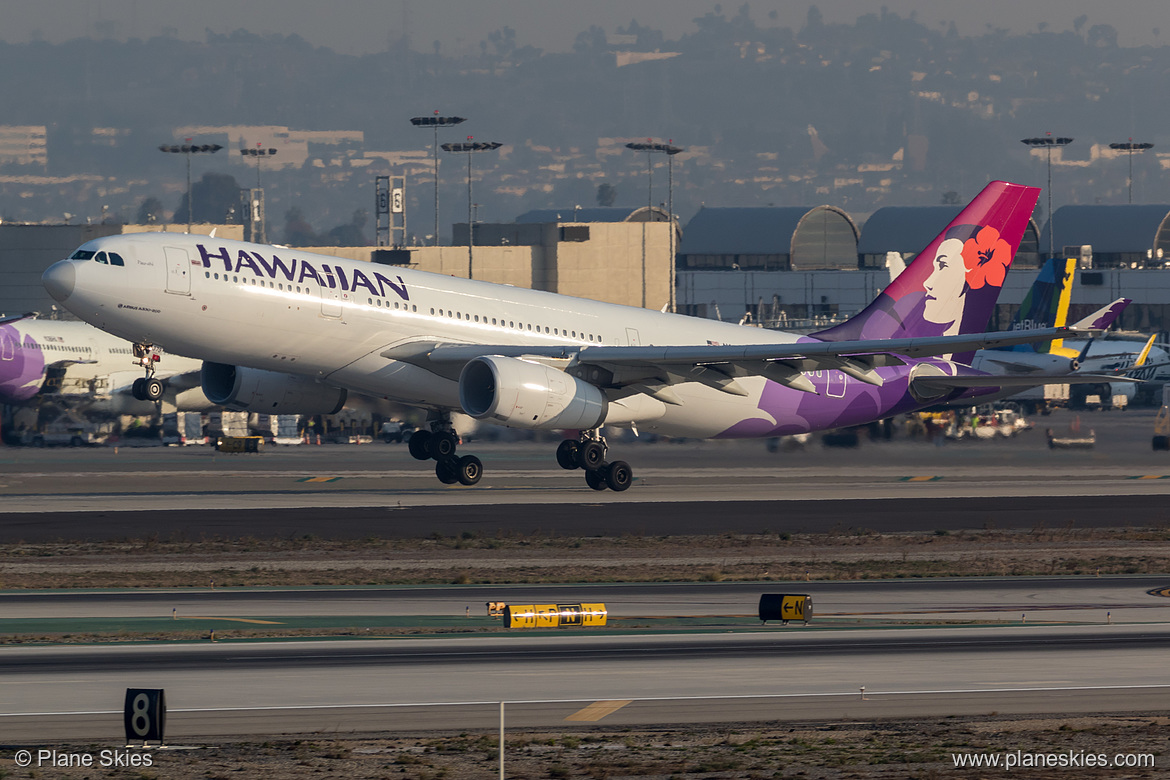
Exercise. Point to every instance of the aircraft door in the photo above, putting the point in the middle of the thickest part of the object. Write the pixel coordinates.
(7, 346)
(632, 338)
(178, 270)
(331, 302)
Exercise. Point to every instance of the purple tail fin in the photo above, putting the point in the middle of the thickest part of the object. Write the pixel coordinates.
(952, 285)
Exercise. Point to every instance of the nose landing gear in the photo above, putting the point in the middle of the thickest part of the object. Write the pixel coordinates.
(149, 387)
(588, 453)
(440, 444)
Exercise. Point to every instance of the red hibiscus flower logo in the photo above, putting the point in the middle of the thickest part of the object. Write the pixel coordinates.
(987, 257)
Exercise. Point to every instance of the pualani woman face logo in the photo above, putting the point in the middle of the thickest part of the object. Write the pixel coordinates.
(969, 258)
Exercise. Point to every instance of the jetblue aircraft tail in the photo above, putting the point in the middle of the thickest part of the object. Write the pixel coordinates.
(952, 285)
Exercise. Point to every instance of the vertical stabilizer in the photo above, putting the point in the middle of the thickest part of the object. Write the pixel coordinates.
(1046, 305)
(952, 285)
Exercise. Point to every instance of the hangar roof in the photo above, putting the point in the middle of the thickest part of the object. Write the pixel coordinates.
(751, 230)
(904, 228)
(1111, 229)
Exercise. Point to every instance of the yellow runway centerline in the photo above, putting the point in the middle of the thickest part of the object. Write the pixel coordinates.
(598, 710)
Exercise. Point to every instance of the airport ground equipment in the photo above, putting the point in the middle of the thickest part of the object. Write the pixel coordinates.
(554, 615)
(145, 714)
(785, 607)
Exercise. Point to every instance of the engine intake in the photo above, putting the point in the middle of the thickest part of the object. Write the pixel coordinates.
(522, 394)
(268, 392)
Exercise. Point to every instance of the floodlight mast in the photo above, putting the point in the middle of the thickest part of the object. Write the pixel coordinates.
(1129, 148)
(469, 148)
(651, 148)
(256, 214)
(187, 149)
(1047, 141)
(435, 122)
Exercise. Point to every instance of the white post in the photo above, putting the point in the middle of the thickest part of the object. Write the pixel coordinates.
(501, 741)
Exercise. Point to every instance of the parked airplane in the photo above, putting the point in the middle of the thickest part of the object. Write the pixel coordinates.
(271, 322)
(77, 363)
(1046, 305)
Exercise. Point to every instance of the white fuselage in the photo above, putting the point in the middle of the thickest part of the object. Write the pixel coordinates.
(329, 318)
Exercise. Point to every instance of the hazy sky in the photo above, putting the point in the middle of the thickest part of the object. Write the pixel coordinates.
(361, 26)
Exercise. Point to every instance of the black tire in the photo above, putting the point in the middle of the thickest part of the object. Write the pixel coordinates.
(153, 389)
(568, 454)
(75, 441)
(418, 445)
(468, 470)
(445, 471)
(594, 480)
(38, 441)
(138, 390)
(442, 444)
(591, 455)
(619, 476)
(1162, 443)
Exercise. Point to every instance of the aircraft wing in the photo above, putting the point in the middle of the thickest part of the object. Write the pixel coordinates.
(1033, 380)
(652, 369)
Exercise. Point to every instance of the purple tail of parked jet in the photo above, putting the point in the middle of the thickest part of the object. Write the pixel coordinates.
(952, 285)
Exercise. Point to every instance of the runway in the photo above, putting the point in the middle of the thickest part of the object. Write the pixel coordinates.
(76, 693)
(1090, 645)
(349, 492)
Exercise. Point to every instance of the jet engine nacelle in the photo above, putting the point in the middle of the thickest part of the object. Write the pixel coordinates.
(268, 392)
(529, 395)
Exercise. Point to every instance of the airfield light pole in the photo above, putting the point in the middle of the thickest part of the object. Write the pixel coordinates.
(1047, 141)
(258, 152)
(435, 122)
(670, 151)
(188, 149)
(470, 147)
(1129, 148)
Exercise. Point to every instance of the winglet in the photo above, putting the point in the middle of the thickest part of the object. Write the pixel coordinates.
(1145, 353)
(1102, 318)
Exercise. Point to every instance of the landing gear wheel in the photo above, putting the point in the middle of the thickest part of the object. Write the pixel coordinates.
(618, 476)
(468, 470)
(592, 455)
(594, 480)
(152, 388)
(138, 390)
(418, 445)
(442, 444)
(568, 454)
(445, 471)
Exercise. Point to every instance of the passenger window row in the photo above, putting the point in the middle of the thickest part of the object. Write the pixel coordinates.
(510, 324)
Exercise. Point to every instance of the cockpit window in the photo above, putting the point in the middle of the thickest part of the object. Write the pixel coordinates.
(82, 254)
(116, 259)
(101, 258)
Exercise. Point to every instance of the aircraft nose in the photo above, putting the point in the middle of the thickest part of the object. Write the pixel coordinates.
(60, 279)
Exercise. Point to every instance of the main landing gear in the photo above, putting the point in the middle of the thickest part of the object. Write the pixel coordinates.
(589, 453)
(149, 387)
(439, 444)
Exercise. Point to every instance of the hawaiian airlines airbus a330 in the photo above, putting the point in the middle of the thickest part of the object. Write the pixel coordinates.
(276, 327)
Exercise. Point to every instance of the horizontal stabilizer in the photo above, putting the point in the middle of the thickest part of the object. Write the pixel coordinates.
(1103, 317)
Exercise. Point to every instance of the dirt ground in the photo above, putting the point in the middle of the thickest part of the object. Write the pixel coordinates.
(811, 751)
(549, 559)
